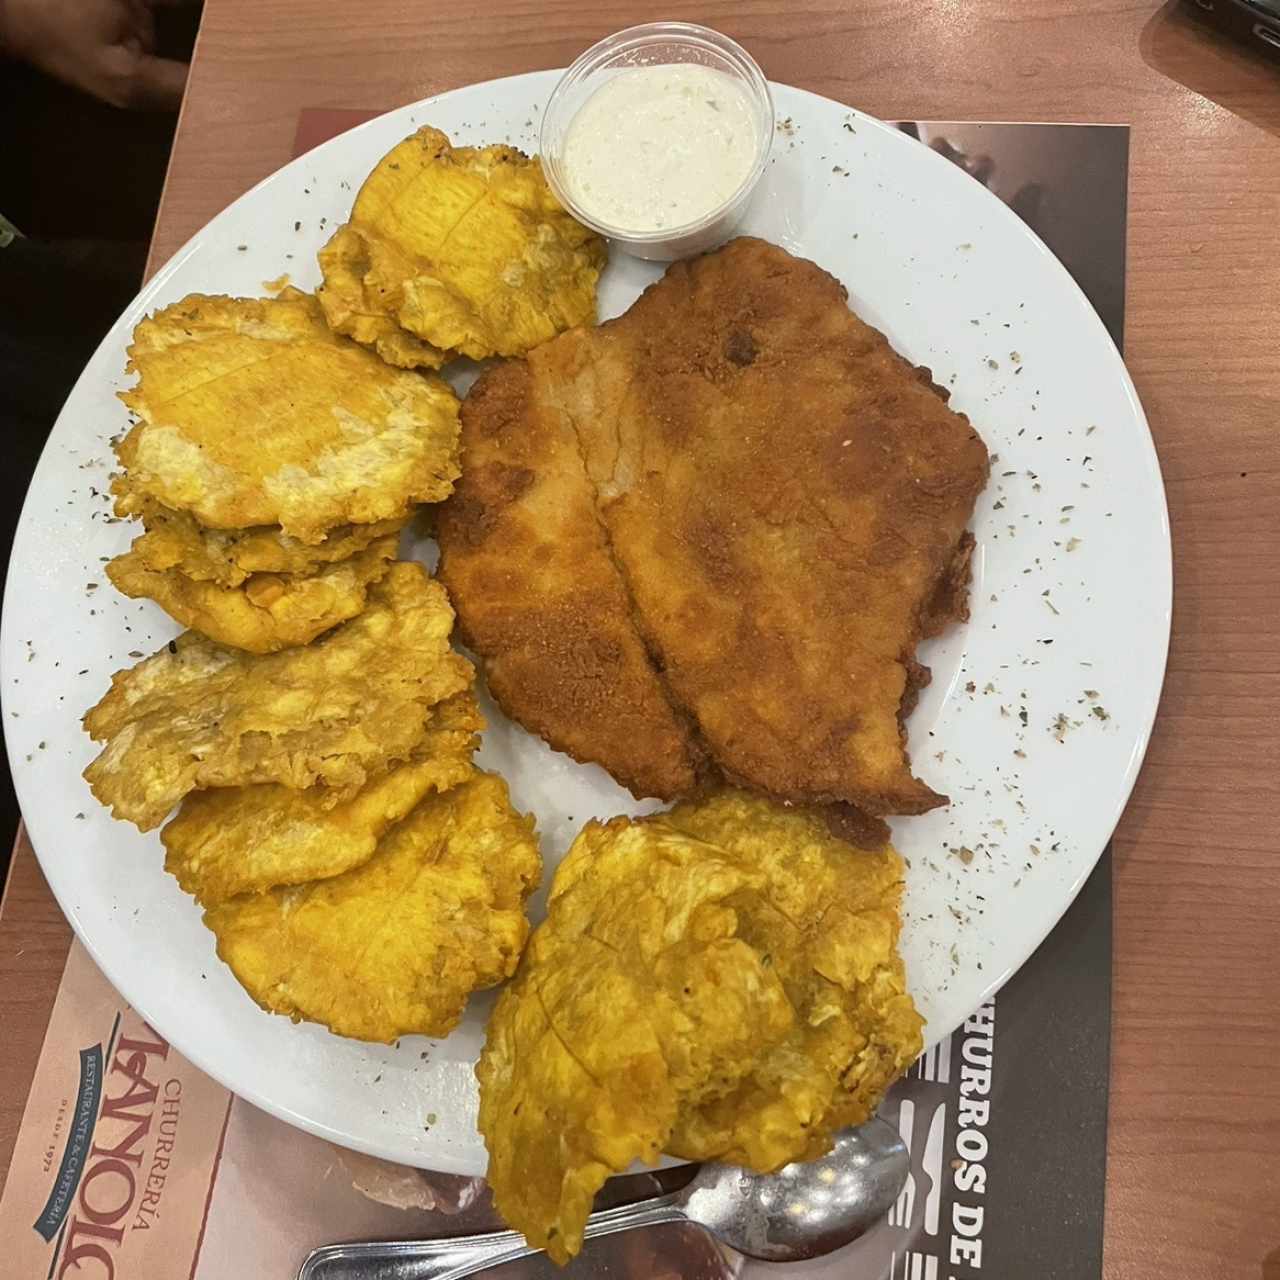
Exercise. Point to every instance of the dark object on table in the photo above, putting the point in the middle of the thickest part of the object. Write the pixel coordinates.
(77, 263)
(1256, 22)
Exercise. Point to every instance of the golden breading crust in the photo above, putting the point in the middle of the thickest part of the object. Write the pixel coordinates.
(268, 611)
(254, 413)
(457, 251)
(546, 608)
(336, 712)
(395, 946)
(176, 540)
(720, 982)
(780, 498)
(248, 839)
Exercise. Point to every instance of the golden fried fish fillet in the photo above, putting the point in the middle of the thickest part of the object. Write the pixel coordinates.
(457, 251)
(720, 982)
(248, 839)
(395, 946)
(254, 413)
(337, 712)
(778, 494)
(268, 611)
(546, 608)
(176, 540)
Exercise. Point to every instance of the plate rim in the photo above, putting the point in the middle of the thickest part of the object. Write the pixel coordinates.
(1160, 574)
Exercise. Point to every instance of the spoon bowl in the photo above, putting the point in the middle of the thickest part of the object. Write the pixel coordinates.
(804, 1210)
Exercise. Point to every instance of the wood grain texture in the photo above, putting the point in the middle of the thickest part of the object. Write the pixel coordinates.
(1194, 1177)
(34, 937)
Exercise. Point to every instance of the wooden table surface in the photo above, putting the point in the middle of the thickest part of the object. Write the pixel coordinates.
(1194, 1172)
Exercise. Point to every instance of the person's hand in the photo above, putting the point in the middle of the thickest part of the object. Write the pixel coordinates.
(105, 47)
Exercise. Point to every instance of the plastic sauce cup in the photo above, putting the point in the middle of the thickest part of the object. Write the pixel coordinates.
(658, 44)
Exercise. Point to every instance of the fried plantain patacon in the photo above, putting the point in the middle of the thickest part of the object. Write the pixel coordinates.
(336, 712)
(395, 946)
(457, 251)
(235, 840)
(252, 412)
(720, 982)
(267, 611)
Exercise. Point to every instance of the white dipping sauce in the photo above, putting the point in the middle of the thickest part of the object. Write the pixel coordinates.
(660, 147)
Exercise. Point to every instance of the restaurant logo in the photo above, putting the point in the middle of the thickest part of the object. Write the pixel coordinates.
(112, 1174)
(85, 1116)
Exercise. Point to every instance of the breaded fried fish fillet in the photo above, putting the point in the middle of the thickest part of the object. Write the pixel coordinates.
(546, 607)
(778, 500)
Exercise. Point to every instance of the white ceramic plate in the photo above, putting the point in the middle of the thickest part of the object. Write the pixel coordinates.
(1071, 593)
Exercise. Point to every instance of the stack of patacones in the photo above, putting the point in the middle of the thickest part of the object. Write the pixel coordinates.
(314, 723)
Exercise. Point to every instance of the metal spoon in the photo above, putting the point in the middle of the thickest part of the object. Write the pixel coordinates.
(802, 1211)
